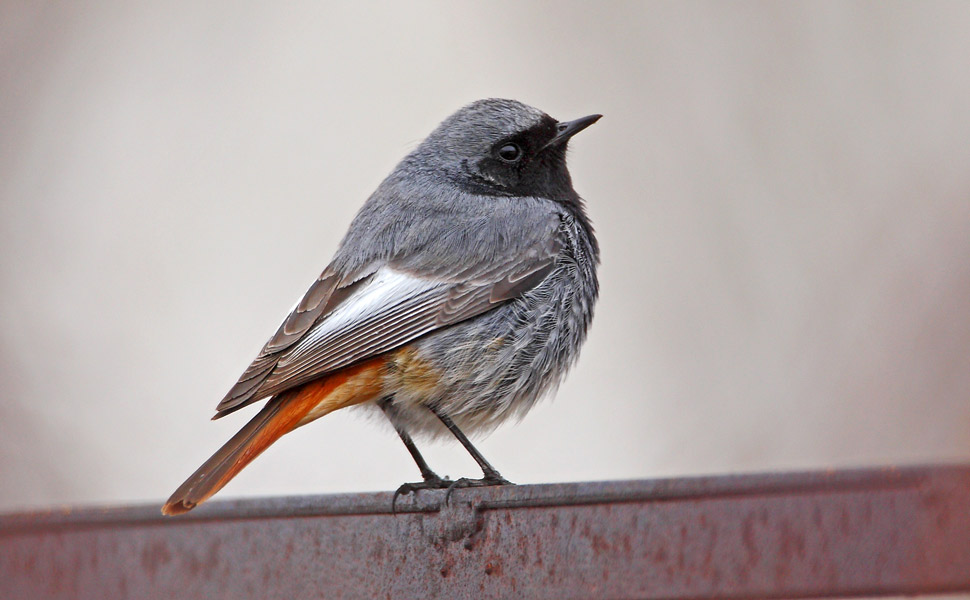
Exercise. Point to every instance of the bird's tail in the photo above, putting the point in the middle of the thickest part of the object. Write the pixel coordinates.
(280, 415)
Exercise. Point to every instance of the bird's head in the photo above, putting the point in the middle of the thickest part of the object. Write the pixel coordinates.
(503, 147)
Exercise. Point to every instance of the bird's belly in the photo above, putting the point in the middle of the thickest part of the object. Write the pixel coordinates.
(482, 371)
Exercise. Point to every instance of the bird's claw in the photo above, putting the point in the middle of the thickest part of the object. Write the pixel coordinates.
(490, 479)
(444, 483)
(433, 482)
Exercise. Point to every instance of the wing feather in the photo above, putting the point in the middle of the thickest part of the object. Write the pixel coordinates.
(338, 324)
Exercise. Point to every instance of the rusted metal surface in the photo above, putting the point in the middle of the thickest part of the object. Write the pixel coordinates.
(854, 533)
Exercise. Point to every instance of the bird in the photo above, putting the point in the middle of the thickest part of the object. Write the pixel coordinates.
(459, 296)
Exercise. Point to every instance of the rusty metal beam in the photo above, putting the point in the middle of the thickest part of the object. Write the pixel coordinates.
(834, 534)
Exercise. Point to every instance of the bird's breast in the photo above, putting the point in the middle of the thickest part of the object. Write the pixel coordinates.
(499, 363)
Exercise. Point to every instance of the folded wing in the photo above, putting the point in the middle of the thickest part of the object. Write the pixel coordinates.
(337, 324)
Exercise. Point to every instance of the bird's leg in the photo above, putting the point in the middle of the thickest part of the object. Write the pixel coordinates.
(491, 475)
(431, 479)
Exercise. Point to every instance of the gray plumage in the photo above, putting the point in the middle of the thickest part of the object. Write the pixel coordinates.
(451, 217)
(461, 293)
(500, 363)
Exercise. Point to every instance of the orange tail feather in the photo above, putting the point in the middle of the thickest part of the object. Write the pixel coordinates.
(282, 414)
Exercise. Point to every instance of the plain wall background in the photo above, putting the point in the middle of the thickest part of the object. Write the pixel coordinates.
(781, 191)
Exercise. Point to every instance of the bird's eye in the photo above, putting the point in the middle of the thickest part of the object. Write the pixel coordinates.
(510, 152)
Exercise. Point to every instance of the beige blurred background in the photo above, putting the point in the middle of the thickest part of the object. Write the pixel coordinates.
(782, 194)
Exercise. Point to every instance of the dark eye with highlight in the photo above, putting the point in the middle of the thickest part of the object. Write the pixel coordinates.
(510, 152)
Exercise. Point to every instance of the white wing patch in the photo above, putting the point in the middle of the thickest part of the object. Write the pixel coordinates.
(384, 313)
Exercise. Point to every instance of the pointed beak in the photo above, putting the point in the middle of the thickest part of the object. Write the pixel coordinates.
(567, 129)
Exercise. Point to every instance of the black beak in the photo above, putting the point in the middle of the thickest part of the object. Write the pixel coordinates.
(567, 129)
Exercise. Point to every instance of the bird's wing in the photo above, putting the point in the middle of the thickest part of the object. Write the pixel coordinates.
(336, 324)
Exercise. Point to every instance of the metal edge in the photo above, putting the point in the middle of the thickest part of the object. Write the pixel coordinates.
(549, 494)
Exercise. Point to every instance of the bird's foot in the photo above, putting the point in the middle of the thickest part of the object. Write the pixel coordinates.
(488, 480)
(432, 481)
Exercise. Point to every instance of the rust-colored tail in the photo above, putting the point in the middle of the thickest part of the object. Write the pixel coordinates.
(282, 414)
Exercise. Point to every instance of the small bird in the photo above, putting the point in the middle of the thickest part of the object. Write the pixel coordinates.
(461, 293)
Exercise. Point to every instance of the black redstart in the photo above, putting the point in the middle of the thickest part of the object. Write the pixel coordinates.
(461, 293)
